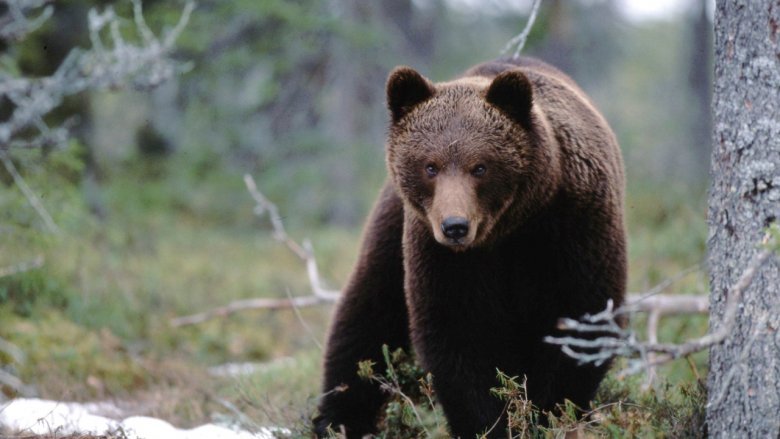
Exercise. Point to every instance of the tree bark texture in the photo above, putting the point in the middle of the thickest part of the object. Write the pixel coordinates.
(744, 377)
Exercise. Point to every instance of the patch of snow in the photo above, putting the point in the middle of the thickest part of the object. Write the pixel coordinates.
(243, 369)
(39, 416)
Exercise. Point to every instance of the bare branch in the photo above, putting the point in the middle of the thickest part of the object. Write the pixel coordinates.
(16, 23)
(652, 338)
(666, 304)
(648, 354)
(305, 325)
(145, 65)
(33, 199)
(518, 42)
(666, 283)
(319, 294)
(104, 66)
(304, 252)
(244, 305)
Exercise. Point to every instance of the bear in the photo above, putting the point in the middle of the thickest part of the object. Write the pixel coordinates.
(502, 213)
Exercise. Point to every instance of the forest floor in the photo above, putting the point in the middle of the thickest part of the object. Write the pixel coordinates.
(95, 321)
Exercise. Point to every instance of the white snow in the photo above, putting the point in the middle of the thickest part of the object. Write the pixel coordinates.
(243, 369)
(39, 416)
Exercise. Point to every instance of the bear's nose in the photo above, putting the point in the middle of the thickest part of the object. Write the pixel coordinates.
(455, 227)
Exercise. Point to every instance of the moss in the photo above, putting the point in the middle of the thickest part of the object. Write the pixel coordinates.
(73, 361)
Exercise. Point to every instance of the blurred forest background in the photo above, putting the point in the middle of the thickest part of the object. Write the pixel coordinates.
(156, 221)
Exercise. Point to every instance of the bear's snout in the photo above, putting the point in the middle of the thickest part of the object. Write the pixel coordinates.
(454, 212)
(455, 227)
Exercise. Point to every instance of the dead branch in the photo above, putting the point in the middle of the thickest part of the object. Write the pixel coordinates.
(518, 42)
(642, 355)
(305, 252)
(248, 304)
(666, 304)
(108, 64)
(16, 23)
(105, 65)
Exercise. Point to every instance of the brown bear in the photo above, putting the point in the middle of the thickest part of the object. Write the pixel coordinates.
(502, 214)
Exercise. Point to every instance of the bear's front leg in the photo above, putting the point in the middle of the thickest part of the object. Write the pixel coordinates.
(372, 312)
(464, 393)
(461, 326)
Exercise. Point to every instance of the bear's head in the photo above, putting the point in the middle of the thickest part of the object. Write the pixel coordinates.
(472, 157)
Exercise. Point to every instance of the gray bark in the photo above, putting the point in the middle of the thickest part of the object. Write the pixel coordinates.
(744, 377)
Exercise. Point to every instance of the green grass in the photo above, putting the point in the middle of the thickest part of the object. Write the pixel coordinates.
(94, 321)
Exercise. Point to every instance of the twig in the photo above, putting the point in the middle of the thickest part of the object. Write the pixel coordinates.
(33, 199)
(303, 323)
(244, 305)
(666, 283)
(652, 337)
(519, 40)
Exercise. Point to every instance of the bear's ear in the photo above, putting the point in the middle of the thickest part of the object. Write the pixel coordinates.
(511, 93)
(405, 89)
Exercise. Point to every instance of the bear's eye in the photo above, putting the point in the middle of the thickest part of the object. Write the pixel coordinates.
(431, 170)
(479, 170)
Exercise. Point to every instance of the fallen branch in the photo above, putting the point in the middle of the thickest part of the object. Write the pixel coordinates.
(643, 355)
(248, 304)
(305, 252)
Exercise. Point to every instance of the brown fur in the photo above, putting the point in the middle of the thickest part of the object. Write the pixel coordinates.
(545, 240)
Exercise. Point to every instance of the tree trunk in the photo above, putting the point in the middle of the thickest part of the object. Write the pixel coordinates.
(744, 378)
